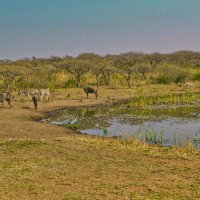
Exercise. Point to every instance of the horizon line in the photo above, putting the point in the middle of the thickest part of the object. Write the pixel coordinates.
(100, 54)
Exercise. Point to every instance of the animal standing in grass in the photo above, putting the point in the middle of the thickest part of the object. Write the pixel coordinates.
(6, 97)
(89, 90)
(35, 101)
(28, 92)
(189, 85)
(44, 92)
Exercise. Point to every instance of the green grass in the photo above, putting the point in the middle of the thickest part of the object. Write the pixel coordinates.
(167, 99)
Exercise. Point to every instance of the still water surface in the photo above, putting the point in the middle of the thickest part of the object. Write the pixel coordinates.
(174, 126)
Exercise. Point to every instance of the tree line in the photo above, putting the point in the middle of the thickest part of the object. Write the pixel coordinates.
(127, 67)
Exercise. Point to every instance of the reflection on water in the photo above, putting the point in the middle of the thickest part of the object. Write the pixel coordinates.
(173, 126)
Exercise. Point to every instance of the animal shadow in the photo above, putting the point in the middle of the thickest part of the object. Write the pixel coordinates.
(25, 107)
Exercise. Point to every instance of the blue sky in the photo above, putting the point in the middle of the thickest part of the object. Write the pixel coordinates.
(43, 28)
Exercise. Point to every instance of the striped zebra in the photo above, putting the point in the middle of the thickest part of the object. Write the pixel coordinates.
(28, 92)
(44, 92)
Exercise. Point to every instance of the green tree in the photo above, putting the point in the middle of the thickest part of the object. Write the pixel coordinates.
(78, 68)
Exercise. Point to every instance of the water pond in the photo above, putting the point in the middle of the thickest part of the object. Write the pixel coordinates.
(160, 125)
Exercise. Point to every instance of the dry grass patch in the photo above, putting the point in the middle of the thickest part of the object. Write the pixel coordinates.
(83, 167)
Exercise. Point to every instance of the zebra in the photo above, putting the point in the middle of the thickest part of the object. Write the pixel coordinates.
(28, 92)
(6, 97)
(45, 92)
(89, 90)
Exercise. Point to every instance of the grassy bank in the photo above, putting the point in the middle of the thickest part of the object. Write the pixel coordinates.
(83, 167)
(41, 161)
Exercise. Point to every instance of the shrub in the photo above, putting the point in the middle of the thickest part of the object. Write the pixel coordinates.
(196, 77)
(70, 83)
(173, 74)
(162, 79)
(180, 76)
(52, 87)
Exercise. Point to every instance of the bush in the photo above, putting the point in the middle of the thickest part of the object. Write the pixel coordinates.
(162, 79)
(179, 78)
(173, 74)
(52, 87)
(196, 77)
(71, 83)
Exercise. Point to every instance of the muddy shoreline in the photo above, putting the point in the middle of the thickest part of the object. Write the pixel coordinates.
(101, 104)
(99, 120)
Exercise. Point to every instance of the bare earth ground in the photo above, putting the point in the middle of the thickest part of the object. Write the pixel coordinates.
(42, 161)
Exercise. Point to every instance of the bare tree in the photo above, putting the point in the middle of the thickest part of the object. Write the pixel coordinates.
(12, 75)
(154, 59)
(143, 69)
(125, 64)
(127, 73)
(107, 72)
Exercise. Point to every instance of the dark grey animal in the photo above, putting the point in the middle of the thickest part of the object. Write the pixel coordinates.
(6, 97)
(35, 101)
(89, 90)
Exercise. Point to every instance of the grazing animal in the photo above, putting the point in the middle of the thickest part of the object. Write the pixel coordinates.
(89, 90)
(6, 97)
(189, 85)
(45, 92)
(27, 93)
(35, 100)
(68, 96)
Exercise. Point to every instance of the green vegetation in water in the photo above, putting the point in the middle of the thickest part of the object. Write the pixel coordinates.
(71, 126)
(196, 141)
(105, 131)
(177, 105)
(154, 137)
(144, 102)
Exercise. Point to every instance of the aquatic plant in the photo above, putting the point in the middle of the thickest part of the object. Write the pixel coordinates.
(174, 139)
(161, 138)
(71, 126)
(154, 137)
(105, 131)
(146, 102)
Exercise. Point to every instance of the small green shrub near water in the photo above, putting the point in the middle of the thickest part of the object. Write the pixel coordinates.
(71, 126)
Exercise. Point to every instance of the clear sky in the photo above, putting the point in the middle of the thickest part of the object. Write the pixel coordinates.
(43, 28)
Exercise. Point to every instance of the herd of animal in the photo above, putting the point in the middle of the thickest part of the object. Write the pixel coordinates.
(36, 95)
(40, 93)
